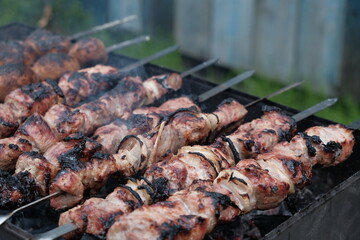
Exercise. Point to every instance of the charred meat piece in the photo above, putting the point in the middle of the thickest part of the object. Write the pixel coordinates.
(14, 75)
(86, 82)
(54, 65)
(27, 100)
(61, 121)
(44, 41)
(89, 52)
(16, 52)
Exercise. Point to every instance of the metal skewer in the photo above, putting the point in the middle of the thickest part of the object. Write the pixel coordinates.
(103, 27)
(218, 89)
(314, 109)
(127, 43)
(284, 89)
(354, 125)
(6, 217)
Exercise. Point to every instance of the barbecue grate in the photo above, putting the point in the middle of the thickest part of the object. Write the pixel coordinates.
(325, 209)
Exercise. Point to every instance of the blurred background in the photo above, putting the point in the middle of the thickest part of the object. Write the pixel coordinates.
(283, 40)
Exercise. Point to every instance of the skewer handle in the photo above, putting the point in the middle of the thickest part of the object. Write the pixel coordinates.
(103, 27)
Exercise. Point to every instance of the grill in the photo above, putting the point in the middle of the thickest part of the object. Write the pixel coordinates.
(327, 209)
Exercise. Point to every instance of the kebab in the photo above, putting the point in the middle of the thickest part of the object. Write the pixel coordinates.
(42, 41)
(73, 141)
(260, 183)
(71, 89)
(175, 128)
(84, 53)
(179, 171)
(39, 132)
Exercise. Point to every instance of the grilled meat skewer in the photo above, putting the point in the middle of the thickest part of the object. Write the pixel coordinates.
(42, 41)
(169, 106)
(75, 87)
(39, 97)
(39, 133)
(253, 184)
(191, 163)
(136, 153)
(85, 53)
(179, 171)
(63, 154)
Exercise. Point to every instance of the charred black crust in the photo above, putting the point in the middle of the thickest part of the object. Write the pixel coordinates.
(111, 79)
(37, 91)
(134, 193)
(34, 154)
(22, 183)
(160, 188)
(110, 221)
(138, 121)
(248, 144)
(33, 118)
(274, 189)
(295, 167)
(332, 147)
(71, 158)
(205, 158)
(101, 155)
(12, 69)
(13, 146)
(226, 101)
(56, 87)
(271, 131)
(125, 86)
(232, 148)
(169, 230)
(75, 136)
(292, 166)
(219, 199)
(309, 141)
(24, 141)
(7, 124)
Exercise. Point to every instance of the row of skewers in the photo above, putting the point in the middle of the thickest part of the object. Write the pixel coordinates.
(44, 55)
(70, 168)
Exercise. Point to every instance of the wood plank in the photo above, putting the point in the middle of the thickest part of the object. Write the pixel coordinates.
(192, 27)
(276, 22)
(232, 34)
